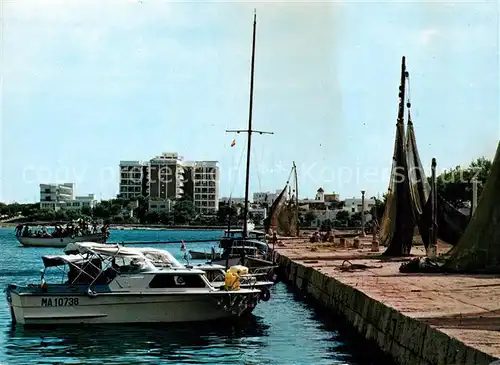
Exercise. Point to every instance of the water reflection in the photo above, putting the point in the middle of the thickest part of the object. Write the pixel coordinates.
(169, 342)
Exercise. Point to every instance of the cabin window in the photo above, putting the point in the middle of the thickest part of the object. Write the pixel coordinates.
(176, 281)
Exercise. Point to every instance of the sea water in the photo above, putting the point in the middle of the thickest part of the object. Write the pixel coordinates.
(284, 330)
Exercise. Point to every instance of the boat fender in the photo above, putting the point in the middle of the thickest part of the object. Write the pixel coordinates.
(265, 294)
(91, 293)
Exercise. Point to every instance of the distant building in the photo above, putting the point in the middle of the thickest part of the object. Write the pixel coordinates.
(322, 216)
(134, 179)
(258, 214)
(169, 177)
(204, 178)
(354, 205)
(166, 176)
(56, 192)
(79, 202)
(331, 198)
(226, 200)
(61, 196)
(265, 197)
(160, 206)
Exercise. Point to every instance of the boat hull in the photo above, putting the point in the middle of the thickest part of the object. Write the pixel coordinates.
(115, 308)
(60, 241)
(197, 255)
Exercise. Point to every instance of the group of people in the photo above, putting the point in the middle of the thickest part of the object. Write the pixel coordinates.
(71, 229)
(322, 236)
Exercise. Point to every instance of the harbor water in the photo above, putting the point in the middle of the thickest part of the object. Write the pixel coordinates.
(284, 330)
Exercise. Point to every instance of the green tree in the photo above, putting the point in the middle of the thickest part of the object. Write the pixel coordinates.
(86, 211)
(183, 210)
(455, 185)
(342, 218)
(225, 211)
(152, 218)
(142, 209)
(44, 215)
(118, 219)
(326, 225)
(102, 210)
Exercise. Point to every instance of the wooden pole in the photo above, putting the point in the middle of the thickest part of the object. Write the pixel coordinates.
(433, 229)
(363, 213)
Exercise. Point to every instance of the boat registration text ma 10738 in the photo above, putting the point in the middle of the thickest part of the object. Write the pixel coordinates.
(59, 302)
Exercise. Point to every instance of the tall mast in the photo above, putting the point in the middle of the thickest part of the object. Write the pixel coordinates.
(402, 89)
(249, 130)
(250, 112)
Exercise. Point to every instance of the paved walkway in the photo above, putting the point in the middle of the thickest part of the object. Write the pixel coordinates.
(464, 307)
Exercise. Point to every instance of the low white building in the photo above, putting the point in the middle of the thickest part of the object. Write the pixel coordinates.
(54, 193)
(265, 197)
(160, 206)
(61, 196)
(354, 205)
(80, 202)
(227, 199)
(324, 215)
(258, 214)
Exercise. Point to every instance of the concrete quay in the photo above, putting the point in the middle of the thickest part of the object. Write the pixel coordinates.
(418, 319)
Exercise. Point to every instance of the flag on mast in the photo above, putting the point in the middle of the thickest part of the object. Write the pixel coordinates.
(233, 143)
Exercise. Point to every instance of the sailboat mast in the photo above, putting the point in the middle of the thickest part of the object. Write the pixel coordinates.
(249, 146)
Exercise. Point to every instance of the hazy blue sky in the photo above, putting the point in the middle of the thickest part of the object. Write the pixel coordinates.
(86, 84)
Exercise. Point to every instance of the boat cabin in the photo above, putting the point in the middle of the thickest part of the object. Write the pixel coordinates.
(113, 267)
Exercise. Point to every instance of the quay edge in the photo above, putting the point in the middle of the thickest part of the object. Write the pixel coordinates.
(408, 341)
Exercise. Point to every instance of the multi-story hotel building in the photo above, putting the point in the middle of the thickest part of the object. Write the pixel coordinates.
(168, 177)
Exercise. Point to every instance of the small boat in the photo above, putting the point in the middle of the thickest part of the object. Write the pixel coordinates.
(214, 272)
(60, 241)
(107, 284)
(198, 255)
(60, 236)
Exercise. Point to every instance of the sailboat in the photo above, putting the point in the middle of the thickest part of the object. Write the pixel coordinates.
(248, 248)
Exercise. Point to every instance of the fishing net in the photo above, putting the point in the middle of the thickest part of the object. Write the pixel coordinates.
(450, 222)
(478, 250)
(398, 235)
(287, 220)
(271, 221)
(420, 189)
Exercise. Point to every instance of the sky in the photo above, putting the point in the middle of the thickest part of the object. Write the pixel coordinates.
(85, 84)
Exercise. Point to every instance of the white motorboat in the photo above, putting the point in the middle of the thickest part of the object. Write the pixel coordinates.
(115, 284)
(215, 273)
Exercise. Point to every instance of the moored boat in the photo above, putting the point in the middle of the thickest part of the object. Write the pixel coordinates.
(56, 234)
(215, 273)
(60, 241)
(115, 284)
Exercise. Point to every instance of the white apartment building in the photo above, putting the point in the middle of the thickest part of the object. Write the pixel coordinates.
(354, 205)
(205, 184)
(169, 177)
(61, 196)
(56, 192)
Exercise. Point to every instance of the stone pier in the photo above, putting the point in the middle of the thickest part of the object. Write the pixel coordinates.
(418, 319)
